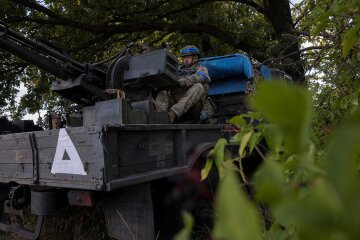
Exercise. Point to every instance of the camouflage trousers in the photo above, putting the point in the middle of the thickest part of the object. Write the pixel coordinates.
(179, 102)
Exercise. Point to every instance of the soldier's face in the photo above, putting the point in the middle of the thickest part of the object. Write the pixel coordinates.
(56, 122)
(188, 61)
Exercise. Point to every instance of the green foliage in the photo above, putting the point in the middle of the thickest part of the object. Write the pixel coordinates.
(310, 193)
(295, 102)
(219, 155)
(350, 38)
(92, 31)
(333, 69)
(236, 217)
(185, 233)
(270, 191)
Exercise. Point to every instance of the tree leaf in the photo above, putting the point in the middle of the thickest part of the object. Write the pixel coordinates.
(244, 142)
(270, 182)
(238, 121)
(237, 137)
(341, 157)
(349, 40)
(237, 218)
(274, 137)
(313, 217)
(290, 108)
(219, 151)
(254, 140)
(321, 23)
(185, 233)
(207, 168)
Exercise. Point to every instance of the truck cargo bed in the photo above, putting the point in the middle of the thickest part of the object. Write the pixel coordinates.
(100, 157)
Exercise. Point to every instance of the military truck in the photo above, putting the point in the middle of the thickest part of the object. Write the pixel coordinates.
(117, 151)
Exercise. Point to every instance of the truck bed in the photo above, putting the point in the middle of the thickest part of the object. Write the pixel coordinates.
(103, 158)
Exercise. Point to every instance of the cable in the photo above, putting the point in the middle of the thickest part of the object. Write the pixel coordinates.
(124, 52)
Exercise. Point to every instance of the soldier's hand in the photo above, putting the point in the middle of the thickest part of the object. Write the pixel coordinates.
(201, 68)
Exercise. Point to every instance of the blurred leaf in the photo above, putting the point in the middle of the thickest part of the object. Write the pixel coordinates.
(290, 108)
(270, 182)
(238, 121)
(307, 161)
(342, 165)
(316, 216)
(273, 137)
(341, 158)
(291, 163)
(185, 233)
(237, 219)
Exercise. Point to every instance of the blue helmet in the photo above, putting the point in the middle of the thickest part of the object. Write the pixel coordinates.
(189, 50)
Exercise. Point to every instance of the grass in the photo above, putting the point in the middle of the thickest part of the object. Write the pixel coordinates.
(70, 223)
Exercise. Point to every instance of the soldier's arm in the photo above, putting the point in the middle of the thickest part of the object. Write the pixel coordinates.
(200, 76)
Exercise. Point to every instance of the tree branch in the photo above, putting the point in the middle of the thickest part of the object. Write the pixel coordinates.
(108, 31)
(250, 3)
(295, 52)
(254, 5)
(58, 19)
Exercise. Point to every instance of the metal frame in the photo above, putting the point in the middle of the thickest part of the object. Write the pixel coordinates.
(23, 232)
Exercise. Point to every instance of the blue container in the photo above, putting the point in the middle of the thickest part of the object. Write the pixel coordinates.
(227, 66)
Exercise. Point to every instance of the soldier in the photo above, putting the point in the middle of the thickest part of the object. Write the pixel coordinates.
(55, 121)
(192, 89)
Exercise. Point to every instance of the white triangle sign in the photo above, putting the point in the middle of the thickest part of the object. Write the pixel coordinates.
(73, 165)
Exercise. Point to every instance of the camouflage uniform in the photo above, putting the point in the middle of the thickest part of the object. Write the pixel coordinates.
(193, 88)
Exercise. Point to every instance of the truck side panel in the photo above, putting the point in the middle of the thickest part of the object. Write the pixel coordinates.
(27, 163)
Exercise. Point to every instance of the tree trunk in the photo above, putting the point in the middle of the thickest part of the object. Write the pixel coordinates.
(279, 14)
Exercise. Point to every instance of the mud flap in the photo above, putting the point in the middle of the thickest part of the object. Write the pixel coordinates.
(129, 213)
